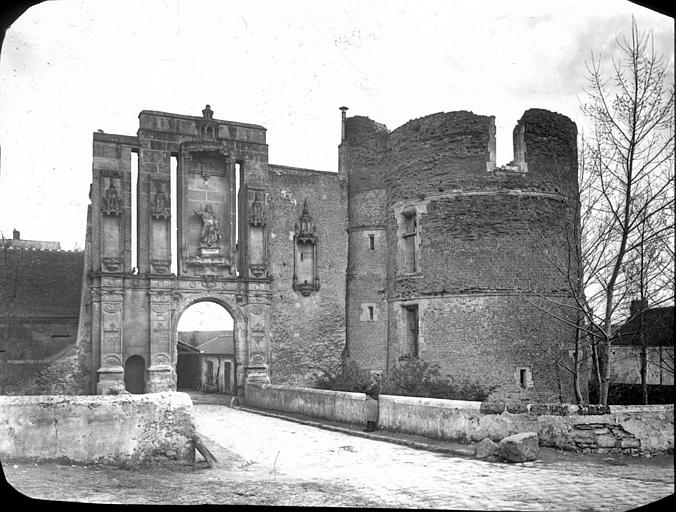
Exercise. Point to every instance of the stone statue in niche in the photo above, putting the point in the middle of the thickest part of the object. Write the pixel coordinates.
(161, 207)
(256, 212)
(210, 234)
(111, 200)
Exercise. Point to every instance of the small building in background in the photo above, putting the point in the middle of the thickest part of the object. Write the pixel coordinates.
(205, 361)
(658, 334)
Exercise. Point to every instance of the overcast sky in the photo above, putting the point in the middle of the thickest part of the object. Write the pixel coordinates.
(70, 67)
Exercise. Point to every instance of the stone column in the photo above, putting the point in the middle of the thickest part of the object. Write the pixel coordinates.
(160, 376)
(111, 371)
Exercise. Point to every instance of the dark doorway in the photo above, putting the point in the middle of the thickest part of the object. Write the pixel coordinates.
(188, 370)
(134, 375)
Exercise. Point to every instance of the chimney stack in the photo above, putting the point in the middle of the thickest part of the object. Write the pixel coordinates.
(342, 123)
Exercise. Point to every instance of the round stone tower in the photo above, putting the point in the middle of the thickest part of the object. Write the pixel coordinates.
(363, 153)
(473, 253)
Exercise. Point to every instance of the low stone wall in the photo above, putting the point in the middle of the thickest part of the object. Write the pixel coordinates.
(123, 429)
(629, 429)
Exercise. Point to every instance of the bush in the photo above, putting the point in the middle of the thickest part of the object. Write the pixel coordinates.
(414, 377)
(350, 378)
(410, 377)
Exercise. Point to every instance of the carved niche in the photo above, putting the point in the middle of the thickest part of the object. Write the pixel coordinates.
(111, 195)
(257, 219)
(305, 241)
(161, 200)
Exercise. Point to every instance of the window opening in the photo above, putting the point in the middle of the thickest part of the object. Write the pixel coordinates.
(173, 226)
(238, 184)
(370, 309)
(134, 212)
(409, 242)
(372, 240)
(412, 330)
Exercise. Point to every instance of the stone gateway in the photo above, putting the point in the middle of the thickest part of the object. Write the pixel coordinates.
(418, 247)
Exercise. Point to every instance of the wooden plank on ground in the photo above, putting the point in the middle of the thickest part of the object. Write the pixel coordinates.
(204, 451)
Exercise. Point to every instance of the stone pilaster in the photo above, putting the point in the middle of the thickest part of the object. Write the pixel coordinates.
(160, 376)
(111, 371)
(258, 341)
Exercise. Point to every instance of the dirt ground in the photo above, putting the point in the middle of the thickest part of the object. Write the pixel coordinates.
(176, 485)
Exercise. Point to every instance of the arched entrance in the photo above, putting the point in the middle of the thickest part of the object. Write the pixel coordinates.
(134, 375)
(206, 349)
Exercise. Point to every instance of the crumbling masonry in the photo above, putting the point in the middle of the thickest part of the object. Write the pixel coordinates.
(418, 247)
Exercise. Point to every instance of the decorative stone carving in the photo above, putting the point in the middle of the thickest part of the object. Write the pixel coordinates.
(258, 270)
(160, 266)
(210, 233)
(209, 280)
(160, 307)
(256, 211)
(112, 264)
(257, 358)
(111, 360)
(161, 204)
(305, 240)
(111, 203)
(112, 308)
(161, 359)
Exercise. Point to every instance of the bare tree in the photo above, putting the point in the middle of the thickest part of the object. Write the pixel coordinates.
(650, 274)
(629, 159)
(623, 208)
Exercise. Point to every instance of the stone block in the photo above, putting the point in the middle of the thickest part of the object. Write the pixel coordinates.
(606, 440)
(560, 409)
(598, 409)
(630, 442)
(492, 407)
(486, 449)
(519, 447)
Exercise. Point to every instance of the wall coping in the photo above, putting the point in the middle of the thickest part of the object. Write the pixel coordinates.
(179, 398)
(454, 404)
(407, 400)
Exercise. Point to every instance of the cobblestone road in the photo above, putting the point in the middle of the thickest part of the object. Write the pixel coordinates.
(399, 476)
(264, 460)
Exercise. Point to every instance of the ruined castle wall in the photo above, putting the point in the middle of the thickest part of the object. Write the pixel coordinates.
(440, 152)
(487, 242)
(307, 332)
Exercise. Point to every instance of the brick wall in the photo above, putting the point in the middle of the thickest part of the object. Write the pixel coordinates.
(308, 333)
(484, 235)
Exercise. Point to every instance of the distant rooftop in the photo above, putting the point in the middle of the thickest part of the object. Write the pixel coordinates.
(16, 243)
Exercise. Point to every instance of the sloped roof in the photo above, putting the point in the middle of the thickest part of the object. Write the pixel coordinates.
(222, 344)
(658, 328)
(48, 283)
(184, 347)
(197, 338)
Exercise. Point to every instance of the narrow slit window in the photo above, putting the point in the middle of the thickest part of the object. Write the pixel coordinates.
(174, 213)
(411, 330)
(134, 212)
(370, 310)
(372, 242)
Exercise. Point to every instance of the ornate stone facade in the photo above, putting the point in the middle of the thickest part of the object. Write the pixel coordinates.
(408, 251)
